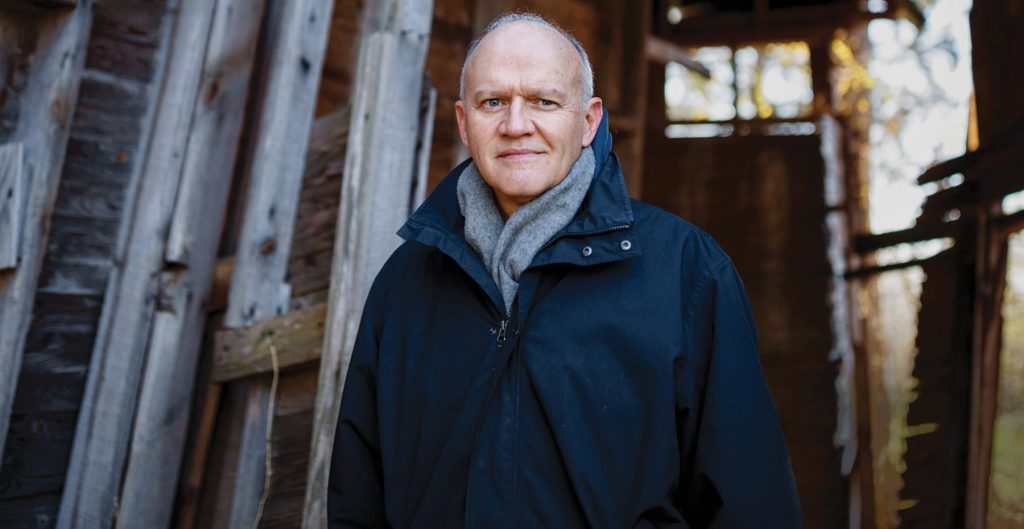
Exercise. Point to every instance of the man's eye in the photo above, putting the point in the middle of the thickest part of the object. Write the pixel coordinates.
(547, 103)
(492, 103)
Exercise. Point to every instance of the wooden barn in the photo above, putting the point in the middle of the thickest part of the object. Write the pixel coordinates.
(196, 194)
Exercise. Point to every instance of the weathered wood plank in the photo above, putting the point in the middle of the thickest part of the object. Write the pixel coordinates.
(102, 435)
(380, 158)
(12, 204)
(289, 449)
(277, 163)
(295, 57)
(296, 338)
(309, 263)
(172, 354)
(47, 104)
(195, 467)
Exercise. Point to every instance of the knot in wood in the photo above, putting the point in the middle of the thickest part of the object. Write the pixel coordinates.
(268, 246)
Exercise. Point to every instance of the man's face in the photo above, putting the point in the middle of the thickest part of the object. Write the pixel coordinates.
(522, 116)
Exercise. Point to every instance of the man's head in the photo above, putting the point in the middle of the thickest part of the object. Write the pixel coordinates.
(526, 106)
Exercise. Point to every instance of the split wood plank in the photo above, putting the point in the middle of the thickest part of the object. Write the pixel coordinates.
(12, 207)
(48, 102)
(380, 162)
(296, 338)
(172, 353)
(258, 290)
(104, 427)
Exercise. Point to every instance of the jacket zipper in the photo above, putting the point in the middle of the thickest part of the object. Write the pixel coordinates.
(503, 328)
(501, 331)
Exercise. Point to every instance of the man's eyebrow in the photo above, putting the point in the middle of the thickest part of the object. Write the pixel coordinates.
(486, 94)
(552, 93)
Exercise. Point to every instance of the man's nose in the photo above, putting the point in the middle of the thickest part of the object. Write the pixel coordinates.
(518, 121)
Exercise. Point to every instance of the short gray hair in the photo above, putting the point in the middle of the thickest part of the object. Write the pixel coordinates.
(586, 73)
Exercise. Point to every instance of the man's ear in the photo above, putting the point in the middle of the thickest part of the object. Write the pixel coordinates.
(460, 116)
(595, 109)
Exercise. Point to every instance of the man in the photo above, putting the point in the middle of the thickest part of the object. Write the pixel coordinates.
(543, 352)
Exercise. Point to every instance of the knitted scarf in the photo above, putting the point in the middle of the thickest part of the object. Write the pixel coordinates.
(508, 247)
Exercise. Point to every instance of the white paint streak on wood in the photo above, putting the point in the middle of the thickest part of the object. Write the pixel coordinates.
(48, 103)
(165, 399)
(380, 159)
(12, 202)
(100, 448)
(258, 288)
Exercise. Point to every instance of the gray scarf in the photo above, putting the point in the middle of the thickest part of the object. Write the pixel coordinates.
(508, 247)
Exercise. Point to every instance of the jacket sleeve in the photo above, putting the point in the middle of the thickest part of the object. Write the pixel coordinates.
(355, 489)
(735, 469)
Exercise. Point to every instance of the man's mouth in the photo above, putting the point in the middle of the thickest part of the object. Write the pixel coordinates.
(515, 154)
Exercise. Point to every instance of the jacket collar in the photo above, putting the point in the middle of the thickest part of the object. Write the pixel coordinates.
(606, 210)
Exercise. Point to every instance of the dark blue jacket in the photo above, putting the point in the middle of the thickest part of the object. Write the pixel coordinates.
(624, 390)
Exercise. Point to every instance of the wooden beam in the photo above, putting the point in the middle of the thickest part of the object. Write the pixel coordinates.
(989, 282)
(104, 427)
(172, 352)
(663, 51)
(924, 232)
(46, 105)
(296, 338)
(13, 189)
(380, 162)
(258, 291)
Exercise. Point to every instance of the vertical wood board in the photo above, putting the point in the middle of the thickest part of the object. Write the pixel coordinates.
(172, 354)
(380, 159)
(103, 431)
(50, 97)
(12, 189)
(258, 291)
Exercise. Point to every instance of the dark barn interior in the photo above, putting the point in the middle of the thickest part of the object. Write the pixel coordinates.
(195, 196)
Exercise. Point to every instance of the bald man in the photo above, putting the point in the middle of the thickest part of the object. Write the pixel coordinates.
(544, 352)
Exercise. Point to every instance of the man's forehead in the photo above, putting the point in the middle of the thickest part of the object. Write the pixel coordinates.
(535, 40)
(527, 50)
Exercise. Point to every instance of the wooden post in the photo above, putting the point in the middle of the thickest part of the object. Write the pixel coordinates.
(12, 204)
(258, 290)
(104, 427)
(47, 103)
(165, 398)
(380, 159)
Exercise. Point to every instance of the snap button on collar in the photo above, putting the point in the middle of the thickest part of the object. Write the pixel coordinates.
(626, 245)
(587, 251)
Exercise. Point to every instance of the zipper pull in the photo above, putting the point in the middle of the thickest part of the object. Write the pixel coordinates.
(501, 331)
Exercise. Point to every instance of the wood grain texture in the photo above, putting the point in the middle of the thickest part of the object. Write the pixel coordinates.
(103, 144)
(296, 338)
(277, 162)
(12, 202)
(104, 428)
(46, 106)
(294, 61)
(172, 352)
(380, 158)
(309, 263)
